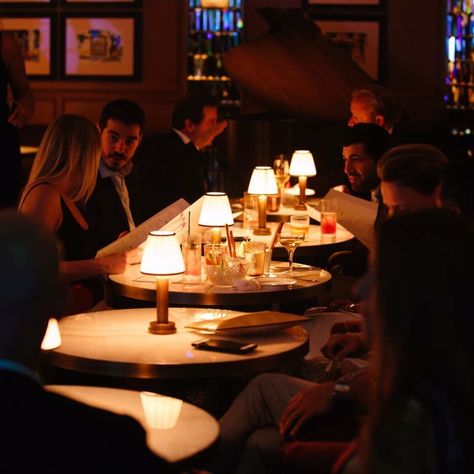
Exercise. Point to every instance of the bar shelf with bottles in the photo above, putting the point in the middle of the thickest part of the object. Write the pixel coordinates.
(211, 33)
(459, 79)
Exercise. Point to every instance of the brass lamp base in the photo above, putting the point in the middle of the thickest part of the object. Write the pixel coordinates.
(162, 328)
(300, 207)
(262, 231)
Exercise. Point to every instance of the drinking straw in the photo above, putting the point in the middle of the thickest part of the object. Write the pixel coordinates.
(229, 242)
(276, 234)
(189, 222)
(232, 240)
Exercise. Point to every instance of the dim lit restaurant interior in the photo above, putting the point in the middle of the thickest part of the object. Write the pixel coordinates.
(237, 236)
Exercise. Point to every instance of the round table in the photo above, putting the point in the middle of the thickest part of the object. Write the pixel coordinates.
(195, 432)
(312, 243)
(117, 343)
(310, 283)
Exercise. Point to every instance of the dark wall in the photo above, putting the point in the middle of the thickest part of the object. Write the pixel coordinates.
(252, 141)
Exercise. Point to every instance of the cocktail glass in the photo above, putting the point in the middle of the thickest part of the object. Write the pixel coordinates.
(291, 242)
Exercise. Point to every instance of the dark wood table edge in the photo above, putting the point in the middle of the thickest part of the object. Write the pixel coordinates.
(222, 299)
(244, 366)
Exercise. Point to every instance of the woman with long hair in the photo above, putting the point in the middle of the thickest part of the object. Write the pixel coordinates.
(422, 420)
(61, 180)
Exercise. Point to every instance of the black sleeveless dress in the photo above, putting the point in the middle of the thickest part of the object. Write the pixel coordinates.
(74, 240)
(73, 237)
(74, 243)
(10, 158)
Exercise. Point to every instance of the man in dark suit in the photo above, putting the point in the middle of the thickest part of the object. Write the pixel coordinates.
(172, 165)
(377, 104)
(44, 432)
(114, 206)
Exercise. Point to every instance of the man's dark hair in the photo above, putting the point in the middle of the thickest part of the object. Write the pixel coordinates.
(382, 100)
(418, 166)
(375, 139)
(123, 110)
(192, 108)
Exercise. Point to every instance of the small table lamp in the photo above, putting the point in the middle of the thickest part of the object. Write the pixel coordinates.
(216, 213)
(262, 183)
(302, 165)
(162, 257)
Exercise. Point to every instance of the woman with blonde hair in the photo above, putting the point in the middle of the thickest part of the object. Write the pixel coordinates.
(61, 180)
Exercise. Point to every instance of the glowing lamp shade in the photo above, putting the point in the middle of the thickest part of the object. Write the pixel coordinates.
(216, 211)
(302, 165)
(52, 337)
(263, 183)
(162, 254)
(162, 257)
(215, 3)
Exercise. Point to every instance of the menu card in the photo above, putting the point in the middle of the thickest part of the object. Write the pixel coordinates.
(170, 218)
(186, 221)
(354, 214)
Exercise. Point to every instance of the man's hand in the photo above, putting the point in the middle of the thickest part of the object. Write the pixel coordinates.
(307, 404)
(339, 346)
(207, 137)
(219, 128)
(22, 112)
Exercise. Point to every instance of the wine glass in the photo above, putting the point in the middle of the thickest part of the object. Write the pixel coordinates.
(291, 241)
(281, 167)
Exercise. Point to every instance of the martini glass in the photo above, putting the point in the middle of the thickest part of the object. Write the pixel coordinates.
(291, 241)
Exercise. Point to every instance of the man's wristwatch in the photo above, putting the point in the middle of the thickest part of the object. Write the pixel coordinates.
(341, 391)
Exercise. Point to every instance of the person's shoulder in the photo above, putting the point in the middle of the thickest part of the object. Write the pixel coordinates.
(409, 130)
(10, 47)
(69, 410)
(42, 194)
(158, 150)
(111, 432)
(158, 137)
(104, 192)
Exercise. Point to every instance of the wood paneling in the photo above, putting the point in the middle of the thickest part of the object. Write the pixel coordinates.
(414, 50)
(163, 74)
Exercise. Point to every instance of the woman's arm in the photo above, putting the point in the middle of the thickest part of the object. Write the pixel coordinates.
(79, 269)
(24, 101)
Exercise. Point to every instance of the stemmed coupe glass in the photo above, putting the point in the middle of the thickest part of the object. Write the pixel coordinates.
(281, 167)
(291, 241)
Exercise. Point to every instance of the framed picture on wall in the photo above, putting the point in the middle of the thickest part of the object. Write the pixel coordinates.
(35, 34)
(359, 38)
(27, 3)
(344, 3)
(98, 46)
(102, 3)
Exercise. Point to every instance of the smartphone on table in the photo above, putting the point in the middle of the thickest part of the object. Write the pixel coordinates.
(224, 345)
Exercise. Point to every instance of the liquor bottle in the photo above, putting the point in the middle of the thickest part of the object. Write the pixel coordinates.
(220, 70)
(199, 65)
(198, 20)
(210, 68)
